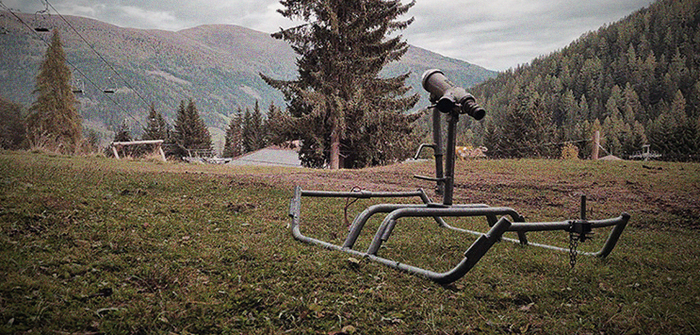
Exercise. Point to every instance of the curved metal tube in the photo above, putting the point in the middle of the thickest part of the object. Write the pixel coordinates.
(390, 220)
(475, 252)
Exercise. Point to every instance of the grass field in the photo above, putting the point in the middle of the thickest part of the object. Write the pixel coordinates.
(91, 245)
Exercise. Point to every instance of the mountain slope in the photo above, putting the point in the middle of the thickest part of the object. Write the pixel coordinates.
(635, 80)
(216, 65)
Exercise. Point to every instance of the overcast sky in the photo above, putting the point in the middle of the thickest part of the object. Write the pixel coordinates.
(495, 34)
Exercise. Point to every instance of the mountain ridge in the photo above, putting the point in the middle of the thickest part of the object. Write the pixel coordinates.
(217, 65)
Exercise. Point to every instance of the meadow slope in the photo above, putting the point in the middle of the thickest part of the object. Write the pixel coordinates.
(91, 245)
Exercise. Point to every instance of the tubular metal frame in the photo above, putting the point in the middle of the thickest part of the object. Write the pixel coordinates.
(444, 178)
(472, 255)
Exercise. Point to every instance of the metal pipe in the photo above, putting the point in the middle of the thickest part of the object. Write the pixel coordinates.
(613, 237)
(390, 220)
(360, 194)
(452, 120)
(359, 222)
(473, 254)
(438, 150)
(564, 225)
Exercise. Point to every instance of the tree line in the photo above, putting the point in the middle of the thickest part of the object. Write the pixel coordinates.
(189, 136)
(341, 110)
(637, 81)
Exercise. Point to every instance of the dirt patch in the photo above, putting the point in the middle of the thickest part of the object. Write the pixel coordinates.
(529, 191)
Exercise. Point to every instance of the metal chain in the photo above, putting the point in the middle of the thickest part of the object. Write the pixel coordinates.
(573, 245)
(349, 202)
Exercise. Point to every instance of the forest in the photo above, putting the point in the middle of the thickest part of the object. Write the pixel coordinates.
(635, 81)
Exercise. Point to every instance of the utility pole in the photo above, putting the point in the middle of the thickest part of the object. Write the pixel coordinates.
(596, 145)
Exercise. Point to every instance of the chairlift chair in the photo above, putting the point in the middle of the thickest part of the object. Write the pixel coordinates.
(41, 20)
(78, 87)
(111, 87)
(3, 27)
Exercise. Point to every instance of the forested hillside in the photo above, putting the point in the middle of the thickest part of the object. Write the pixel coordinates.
(215, 65)
(637, 81)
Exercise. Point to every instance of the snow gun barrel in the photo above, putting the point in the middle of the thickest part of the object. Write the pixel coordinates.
(449, 97)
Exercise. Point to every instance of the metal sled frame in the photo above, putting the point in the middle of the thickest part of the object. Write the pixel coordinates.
(473, 254)
(497, 217)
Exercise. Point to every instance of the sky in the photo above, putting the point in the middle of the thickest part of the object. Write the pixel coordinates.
(495, 34)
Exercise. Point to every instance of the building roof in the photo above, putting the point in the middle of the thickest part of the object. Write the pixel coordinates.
(270, 156)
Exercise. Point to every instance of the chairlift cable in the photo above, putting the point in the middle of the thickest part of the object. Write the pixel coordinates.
(100, 56)
(75, 69)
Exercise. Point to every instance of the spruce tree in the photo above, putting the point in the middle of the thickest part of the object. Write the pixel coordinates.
(54, 119)
(121, 134)
(233, 146)
(340, 105)
(156, 128)
(190, 135)
(526, 128)
(257, 124)
(12, 125)
(253, 132)
(672, 133)
(275, 124)
(247, 135)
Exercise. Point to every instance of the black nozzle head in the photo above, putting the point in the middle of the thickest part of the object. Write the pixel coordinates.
(471, 108)
(474, 111)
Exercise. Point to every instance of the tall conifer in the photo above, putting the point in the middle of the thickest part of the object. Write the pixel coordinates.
(156, 127)
(190, 134)
(233, 145)
(341, 106)
(54, 119)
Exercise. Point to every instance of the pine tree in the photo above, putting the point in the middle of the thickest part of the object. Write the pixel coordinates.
(339, 101)
(156, 128)
(190, 135)
(526, 127)
(613, 129)
(121, 134)
(257, 123)
(54, 118)
(571, 114)
(247, 135)
(233, 145)
(672, 134)
(276, 125)
(12, 125)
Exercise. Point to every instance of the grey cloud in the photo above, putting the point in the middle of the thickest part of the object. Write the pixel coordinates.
(503, 33)
(496, 34)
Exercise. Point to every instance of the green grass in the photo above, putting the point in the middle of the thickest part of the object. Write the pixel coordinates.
(94, 245)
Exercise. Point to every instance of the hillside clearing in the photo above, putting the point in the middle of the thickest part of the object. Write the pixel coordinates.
(94, 245)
